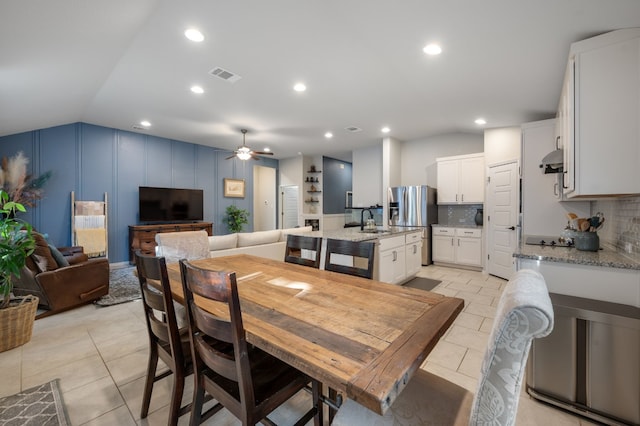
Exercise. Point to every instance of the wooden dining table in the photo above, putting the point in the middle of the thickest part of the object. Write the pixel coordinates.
(361, 337)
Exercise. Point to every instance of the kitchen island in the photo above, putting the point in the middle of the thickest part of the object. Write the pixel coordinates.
(398, 252)
(590, 363)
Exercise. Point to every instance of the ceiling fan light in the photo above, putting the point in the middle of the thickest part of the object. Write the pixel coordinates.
(243, 155)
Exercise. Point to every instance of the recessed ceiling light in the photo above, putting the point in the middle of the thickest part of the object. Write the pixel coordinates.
(194, 35)
(432, 49)
(299, 87)
(197, 89)
(480, 121)
(328, 135)
(145, 123)
(385, 130)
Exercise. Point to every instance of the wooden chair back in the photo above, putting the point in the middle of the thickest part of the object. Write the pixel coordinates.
(362, 252)
(297, 243)
(158, 306)
(166, 341)
(212, 335)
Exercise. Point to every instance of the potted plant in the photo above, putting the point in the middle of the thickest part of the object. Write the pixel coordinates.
(16, 244)
(236, 218)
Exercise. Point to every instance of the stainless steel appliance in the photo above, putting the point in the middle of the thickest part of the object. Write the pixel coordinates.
(414, 206)
(590, 363)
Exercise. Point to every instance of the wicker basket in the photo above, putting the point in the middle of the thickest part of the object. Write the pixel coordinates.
(16, 322)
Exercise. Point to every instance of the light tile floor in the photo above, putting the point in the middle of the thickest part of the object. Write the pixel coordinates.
(100, 356)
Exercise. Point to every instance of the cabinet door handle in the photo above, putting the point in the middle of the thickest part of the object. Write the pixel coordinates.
(415, 249)
(458, 242)
(452, 241)
(558, 142)
(555, 189)
(564, 180)
(456, 197)
(462, 198)
(395, 255)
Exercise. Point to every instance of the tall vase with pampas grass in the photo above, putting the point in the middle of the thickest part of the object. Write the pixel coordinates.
(21, 187)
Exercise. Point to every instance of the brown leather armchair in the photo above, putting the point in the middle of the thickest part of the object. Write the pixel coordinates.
(62, 287)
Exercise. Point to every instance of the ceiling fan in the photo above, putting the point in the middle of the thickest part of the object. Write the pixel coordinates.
(244, 152)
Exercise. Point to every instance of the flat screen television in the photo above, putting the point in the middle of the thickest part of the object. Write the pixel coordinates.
(170, 204)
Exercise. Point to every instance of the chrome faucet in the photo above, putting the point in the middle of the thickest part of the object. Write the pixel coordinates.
(362, 218)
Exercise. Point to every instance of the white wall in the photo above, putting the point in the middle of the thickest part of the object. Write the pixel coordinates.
(502, 145)
(367, 176)
(418, 158)
(291, 172)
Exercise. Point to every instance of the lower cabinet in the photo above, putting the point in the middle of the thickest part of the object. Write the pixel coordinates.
(399, 258)
(458, 246)
(413, 252)
(391, 265)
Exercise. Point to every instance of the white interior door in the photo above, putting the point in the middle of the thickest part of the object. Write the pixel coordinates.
(264, 198)
(289, 211)
(502, 219)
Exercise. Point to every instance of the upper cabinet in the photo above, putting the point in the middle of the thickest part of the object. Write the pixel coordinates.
(599, 116)
(461, 179)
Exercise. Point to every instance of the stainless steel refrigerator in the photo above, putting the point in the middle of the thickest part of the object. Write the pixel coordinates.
(414, 206)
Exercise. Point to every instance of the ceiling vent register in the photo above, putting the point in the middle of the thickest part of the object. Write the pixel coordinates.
(225, 75)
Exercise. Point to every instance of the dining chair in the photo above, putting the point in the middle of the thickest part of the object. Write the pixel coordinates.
(524, 313)
(245, 380)
(166, 340)
(362, 252)
(297, 243)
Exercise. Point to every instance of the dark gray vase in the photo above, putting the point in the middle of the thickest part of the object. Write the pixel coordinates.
(478, 218)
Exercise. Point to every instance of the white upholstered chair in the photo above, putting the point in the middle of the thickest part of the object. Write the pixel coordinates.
(190, 245)
(524, 313)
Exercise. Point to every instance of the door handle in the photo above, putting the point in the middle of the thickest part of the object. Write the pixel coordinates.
(513, 228)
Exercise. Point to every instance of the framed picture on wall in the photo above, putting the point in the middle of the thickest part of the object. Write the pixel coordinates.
(234, 188)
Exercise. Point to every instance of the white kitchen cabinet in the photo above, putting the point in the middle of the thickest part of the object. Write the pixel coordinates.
(543, 213)
(461, 179)
(602, 156)
(458, 246)
(392, 263)
(443, 249)
(413, 253)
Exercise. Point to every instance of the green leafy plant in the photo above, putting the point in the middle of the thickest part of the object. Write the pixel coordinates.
(16, 244)
(236, 218)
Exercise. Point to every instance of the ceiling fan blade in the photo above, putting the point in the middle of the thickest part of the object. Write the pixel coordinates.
(254, 157)
(263, 153)
(230, 157)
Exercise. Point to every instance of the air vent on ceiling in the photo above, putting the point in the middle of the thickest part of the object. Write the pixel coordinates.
(353, 129)
(225, 75)
(136, 127)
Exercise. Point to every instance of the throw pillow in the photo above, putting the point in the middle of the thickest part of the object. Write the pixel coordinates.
(42, 250)
(59, 257)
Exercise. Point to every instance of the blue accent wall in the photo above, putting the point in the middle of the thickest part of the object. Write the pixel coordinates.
(336, 181)
(91, 160)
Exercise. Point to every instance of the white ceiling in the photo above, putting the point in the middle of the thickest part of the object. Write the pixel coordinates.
(114, 63)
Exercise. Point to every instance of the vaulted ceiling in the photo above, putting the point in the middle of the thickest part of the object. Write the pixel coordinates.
(115, 63)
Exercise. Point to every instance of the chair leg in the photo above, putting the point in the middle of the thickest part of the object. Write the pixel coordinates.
(148, 385)
(176, 397)
(316, 390)
(198, 399)
(333, 395)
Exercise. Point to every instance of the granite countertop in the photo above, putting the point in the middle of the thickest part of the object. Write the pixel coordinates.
(354, 234)
(607, 256)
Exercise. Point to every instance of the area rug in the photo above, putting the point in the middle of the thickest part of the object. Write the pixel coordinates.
(39, 406)
(422, 283)
(123, 287)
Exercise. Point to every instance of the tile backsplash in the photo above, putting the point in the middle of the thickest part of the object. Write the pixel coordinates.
(622, 222)
(458, 215)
